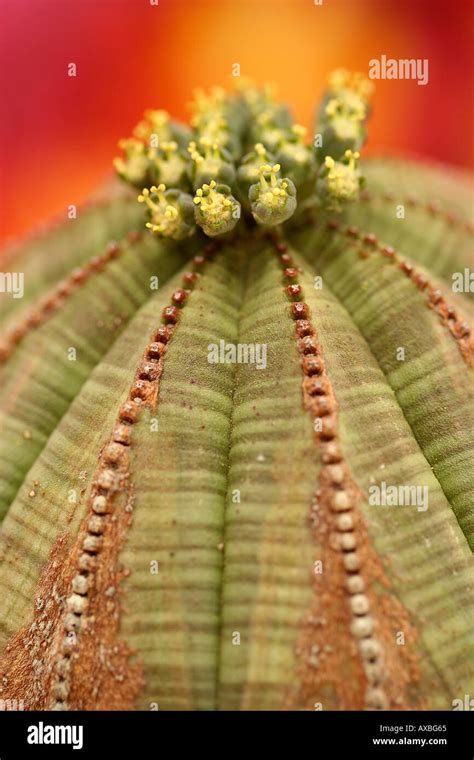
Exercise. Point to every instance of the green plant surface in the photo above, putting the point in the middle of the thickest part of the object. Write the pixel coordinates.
(203, 590)
(51, 255)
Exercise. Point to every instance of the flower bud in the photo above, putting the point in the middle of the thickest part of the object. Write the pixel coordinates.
(134, 167)
(170, 212)
(214, 163)
(339, 181)
(169, 165)
(216, 210)
(157, 127)
(248, 172)
(297, 161)
(272, 199)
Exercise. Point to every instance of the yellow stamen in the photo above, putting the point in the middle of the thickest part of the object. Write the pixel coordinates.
(299, 130)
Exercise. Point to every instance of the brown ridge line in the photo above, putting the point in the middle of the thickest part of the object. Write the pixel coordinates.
(58, 295)
(347, 650)
(12, 246)
(433, 208)
(71, 656)
(449, 317)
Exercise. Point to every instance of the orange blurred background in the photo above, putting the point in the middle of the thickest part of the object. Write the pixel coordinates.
(58, 134)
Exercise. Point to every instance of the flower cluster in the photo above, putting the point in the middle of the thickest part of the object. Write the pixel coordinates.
(244, 156)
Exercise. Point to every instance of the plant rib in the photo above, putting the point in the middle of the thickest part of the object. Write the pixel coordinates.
(432, 208)
(367, 243)
(348, 626)
(70, 657)
(50, 303)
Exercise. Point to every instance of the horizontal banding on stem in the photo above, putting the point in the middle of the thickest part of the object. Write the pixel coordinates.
(338, 492)
(91, 573)
(58, 295)
(460, 330)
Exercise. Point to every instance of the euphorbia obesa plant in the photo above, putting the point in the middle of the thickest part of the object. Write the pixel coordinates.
(236, 453)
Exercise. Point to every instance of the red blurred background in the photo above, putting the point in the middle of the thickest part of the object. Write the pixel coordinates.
(58, 134)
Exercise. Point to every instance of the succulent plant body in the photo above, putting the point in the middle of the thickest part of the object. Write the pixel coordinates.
(198, 421)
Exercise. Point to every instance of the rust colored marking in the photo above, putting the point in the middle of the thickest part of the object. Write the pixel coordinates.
(171, 314)
(459, 329)
(406, 267)
(290, 273)
(304, 327)
(71, 656)
(370, 239)
(299, 310)
(351, 231)
(347, 653)
(190, 279)
(10, 254)
(179, 297)
(53, 301)
(421, 281)
(294, 292)
(433, 208)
